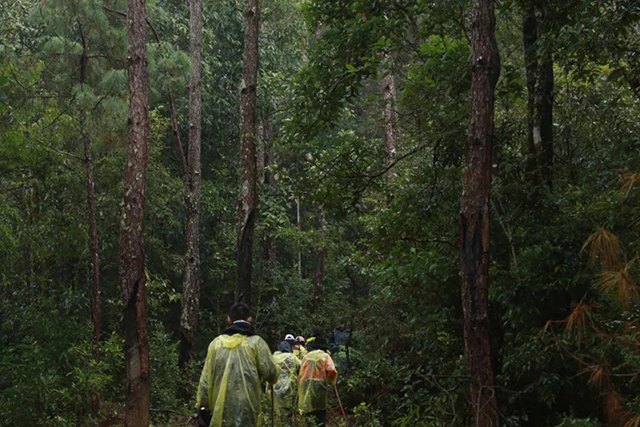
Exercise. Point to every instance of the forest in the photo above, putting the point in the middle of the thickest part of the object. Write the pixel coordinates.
(452, 185)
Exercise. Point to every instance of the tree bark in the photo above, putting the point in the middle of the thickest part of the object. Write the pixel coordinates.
(248, 189)
(540, 85)
(93, 226)
(260, 151)
(320, 262)
(298, 261)
(390, 115)
(474, 214)
(132, 256)
(193, 183)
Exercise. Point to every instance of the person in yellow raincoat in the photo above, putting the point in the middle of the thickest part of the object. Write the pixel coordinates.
(285, 388)
(238, 363)
(317, 376)
(298, 347)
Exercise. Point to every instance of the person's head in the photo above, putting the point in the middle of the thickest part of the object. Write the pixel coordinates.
(289, 338)
(239, 311)
(318, 343)
(284, 347)
(300, 340)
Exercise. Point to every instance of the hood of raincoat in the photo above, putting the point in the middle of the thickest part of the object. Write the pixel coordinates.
(240, 327)
(284, 347)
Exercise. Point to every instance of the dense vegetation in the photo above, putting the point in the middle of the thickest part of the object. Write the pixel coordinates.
(362, 112)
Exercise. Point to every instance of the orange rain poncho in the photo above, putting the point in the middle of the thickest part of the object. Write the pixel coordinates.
(317, 375)
(232, 377)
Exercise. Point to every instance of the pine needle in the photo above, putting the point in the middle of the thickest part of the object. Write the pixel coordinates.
(619, 281)
(633, 422)
(576, 322)
(598, 377)
(629, 180)
(604, 246)
(613, 406)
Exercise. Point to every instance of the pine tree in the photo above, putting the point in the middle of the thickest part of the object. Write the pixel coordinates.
(133, 279)
(193, 184)
(475, 221)
(247, 210)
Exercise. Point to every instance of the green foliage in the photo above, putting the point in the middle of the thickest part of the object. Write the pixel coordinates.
(563, 315)
(573, 422)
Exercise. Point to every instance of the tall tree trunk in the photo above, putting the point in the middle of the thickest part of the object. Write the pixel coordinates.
(529, 37)
(248, 133)
(390, 115)
(132, 259)
(320, 262)
(474, 214)
(546, 113)
(260, 153)
(93, 226)
(298, 261)
(540, 84)
(270, 244)
(193, 181)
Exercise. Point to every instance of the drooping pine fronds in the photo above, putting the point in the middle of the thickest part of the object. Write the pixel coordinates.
(613, 407)
(576, 322)
(599, 376)
(603, 246)
(620, 283)
(628, 181)
(633, 421)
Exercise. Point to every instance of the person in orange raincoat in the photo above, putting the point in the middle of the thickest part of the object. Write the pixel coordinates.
(317, 376)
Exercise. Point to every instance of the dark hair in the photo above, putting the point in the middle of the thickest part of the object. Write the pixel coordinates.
(318, 344)
(239, 311)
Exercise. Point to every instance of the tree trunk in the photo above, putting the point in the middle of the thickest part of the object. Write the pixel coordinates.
(270, 244)
(540, 83)
(193, 183)
(390, 115)
(248, 188)
(474, 214)
(298, 262)
(260, 151)
(322, 253)
(546, 113)
(132, 260)
(93, 227)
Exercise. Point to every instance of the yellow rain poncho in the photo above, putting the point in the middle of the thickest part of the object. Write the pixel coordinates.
(317, 376)
(299, 351)
(285, 388)
(231, 381)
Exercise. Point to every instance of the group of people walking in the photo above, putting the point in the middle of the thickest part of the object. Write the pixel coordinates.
(300, 373)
